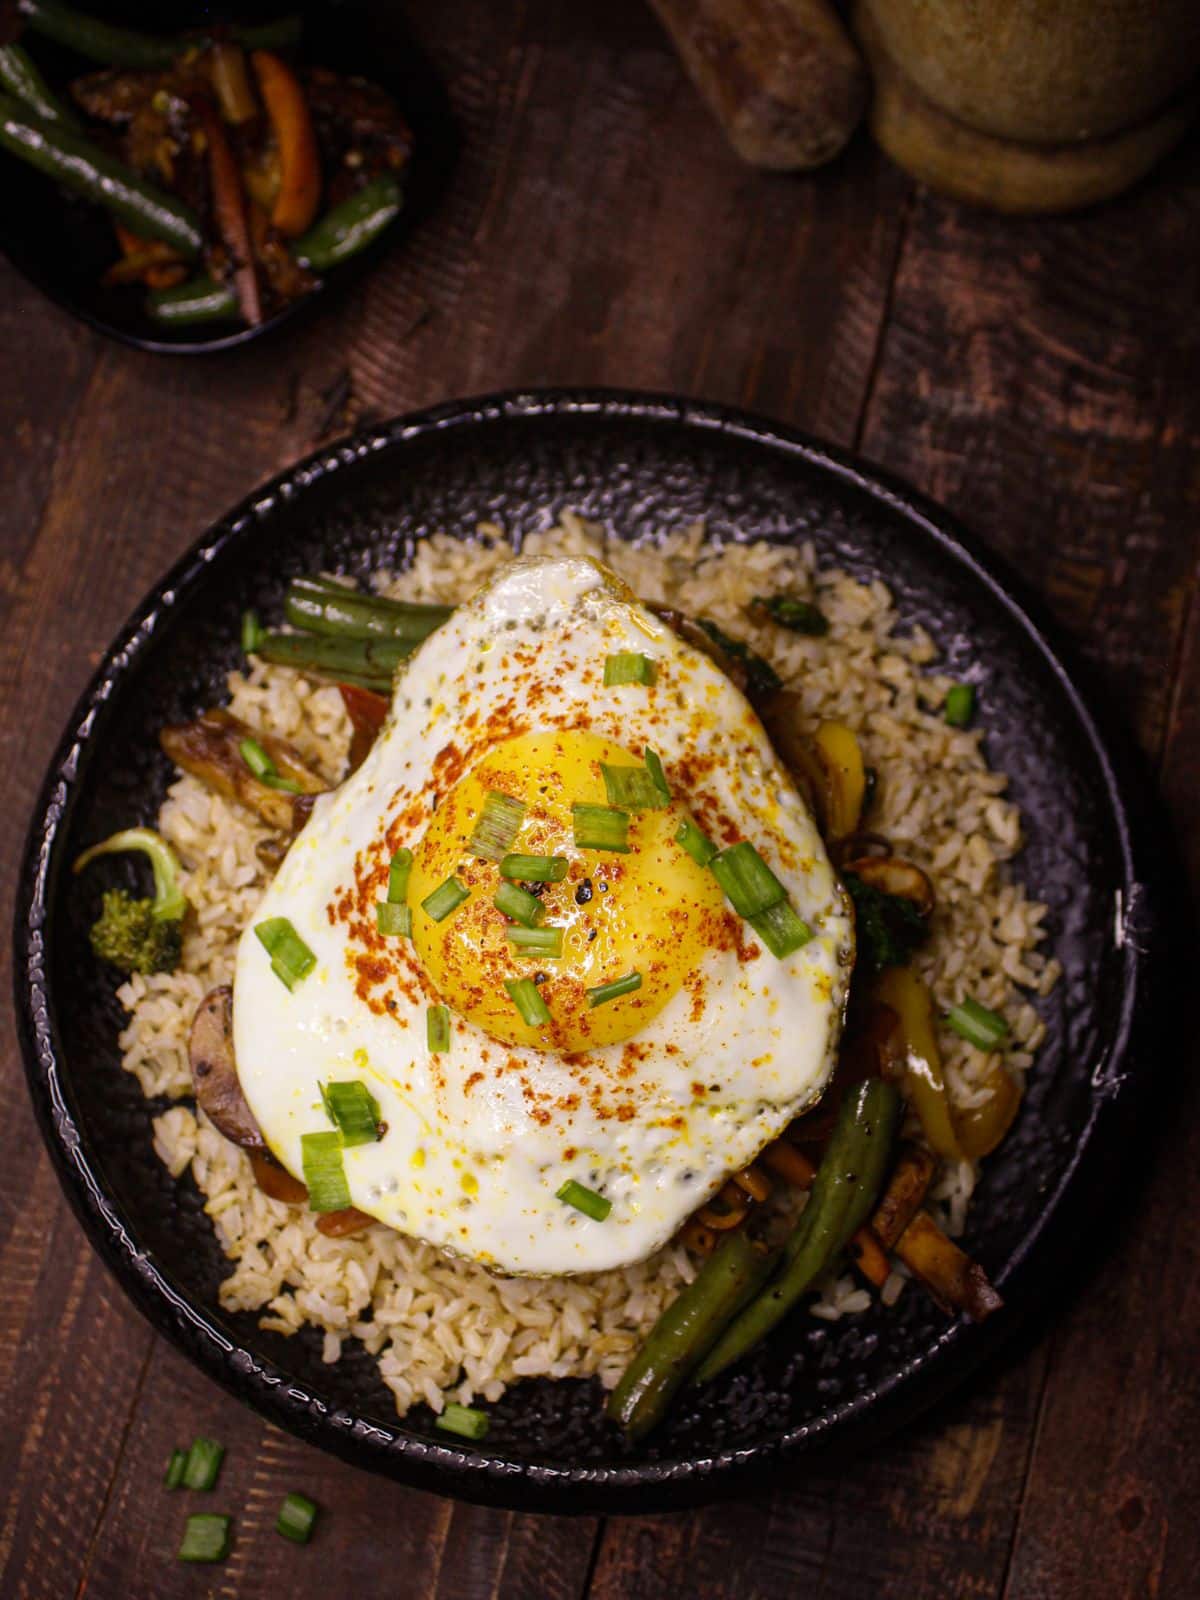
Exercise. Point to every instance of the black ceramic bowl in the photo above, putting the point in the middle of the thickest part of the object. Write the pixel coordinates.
(638, 464)
(63, 244)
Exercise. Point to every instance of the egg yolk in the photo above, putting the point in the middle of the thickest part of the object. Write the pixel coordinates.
(653, 911)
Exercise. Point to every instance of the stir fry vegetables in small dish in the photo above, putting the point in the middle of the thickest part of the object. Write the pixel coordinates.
(597, 954)
(236, 169)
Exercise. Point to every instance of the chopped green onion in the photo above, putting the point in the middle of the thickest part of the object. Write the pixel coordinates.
(256, 758)
(252, 630)
(353, 1109)
(586, 1200)
(654, 767)
(634, 787)
(291, 959)
(437, 1028)
(321, 1155)
(534, 869)
(174, 1473)
(440, 902)
(527, 998)
(628, 666)
(393, 920)
(398, 870)
(296, 1517)
(276, 780)
(600, 828)
(960, 705)
(546, 942)
(749, 884)
(801, 616)
(202, 1464)
(464, 1420)
(977, 1025)
(498, 825)
(205, 1538)
(697, 844)
(519, 905)
(604, 992)
(780, 929)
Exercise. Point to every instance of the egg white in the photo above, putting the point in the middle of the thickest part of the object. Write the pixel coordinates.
(479, 1138)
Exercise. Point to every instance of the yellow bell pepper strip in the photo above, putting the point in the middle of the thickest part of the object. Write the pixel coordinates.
(982, 1127)
(299, 159)
(846, 777)
(924, 1084)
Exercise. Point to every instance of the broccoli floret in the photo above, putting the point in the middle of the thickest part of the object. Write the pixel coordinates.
(889, 927)
(140, 935)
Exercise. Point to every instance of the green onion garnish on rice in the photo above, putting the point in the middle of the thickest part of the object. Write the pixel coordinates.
(291, 959)
(399, 868)
(697, 843)
(748, 882)
(604, 992)
(296, 1517)
(780, 929)
(321, 1156)
(437, 1028)
(960, 705)
(202, 1464)
(353, 1110)
(205, 1538)
(534, 869)
(547, 942)
(393, 921)
(601, 828)
(467, 1421)
(977, 1024)
(497, 826)
(593, 1205)
(519, 905)
(251, 631)
(634, 787)
(627, 666)
(255, 757)
(173, 1476)
(527, 998)
(447, 897)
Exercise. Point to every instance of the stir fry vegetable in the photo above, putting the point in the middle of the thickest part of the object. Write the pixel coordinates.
(924, 1081)
(847, 1183)
(685, 1333)
(216, 147)
(140, 935)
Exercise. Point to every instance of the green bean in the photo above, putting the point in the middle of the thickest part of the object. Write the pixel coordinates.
(351, 226)
(21, 78)
(198, 300)
(685, 1331)
(78, 164)
(371, 663)
(126, 47)
(847, 1184)
(349, 614)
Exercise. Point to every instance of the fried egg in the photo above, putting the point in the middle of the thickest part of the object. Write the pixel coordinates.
(649, 1100)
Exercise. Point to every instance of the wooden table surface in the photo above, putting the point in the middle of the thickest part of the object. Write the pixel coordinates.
(1040, 378)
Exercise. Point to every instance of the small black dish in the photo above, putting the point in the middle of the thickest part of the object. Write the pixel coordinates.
(635, 463)
(63, 244)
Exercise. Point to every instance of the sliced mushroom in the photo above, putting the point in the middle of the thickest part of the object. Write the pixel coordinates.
(692, 633)
(214, 1071)
(895, 876)
(210, 749)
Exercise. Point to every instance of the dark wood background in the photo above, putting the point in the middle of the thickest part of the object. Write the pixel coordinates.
(1042, 379)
